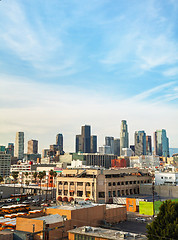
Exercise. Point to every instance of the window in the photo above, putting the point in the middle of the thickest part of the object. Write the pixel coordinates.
(118, 193)
(65, 183)
(109, 194)
(109, 184)
(114, 184)
(72, 183)
(80, 184)
(65, 192)
(118, 183)
(170, 177)
(101, 194)
(79, 193)
(122, 183)
(161, 177)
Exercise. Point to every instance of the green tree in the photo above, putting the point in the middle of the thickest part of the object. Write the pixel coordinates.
(1, 179)
(15, 176)
(26, 175)
(165, 226)
(35, 174)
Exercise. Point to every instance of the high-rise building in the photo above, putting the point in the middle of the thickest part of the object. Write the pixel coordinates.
(5, 163)
(117, 146)
(161, 143)
(93, 144)
(19, 145)
(83, 141)
(148, 145)
(10, 149)
(32, 147)
(140, 143)
(86, 136)
(59, 141)
(109, 141)
(124, 136)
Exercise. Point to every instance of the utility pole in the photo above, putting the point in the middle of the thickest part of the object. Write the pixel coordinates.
(153, 193)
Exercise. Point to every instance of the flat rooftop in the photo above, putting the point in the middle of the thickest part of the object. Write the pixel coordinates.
(50, 219)
(106, 233)
(82, 204)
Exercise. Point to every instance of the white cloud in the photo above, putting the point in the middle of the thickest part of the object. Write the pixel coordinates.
(171, 72)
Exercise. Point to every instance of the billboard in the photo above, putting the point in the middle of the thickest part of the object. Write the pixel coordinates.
(131, 204)
(146, 208)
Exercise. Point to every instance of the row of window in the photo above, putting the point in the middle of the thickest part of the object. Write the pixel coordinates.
(72, 183)
(83, 237)
(127, 182)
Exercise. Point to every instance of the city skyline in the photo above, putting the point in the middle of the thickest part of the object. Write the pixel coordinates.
(103, 143)
(64, 64)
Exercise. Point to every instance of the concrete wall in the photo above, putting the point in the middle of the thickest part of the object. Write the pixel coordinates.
(114, 215)
(162, 190)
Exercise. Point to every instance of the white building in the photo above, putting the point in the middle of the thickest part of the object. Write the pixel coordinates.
(144, 161)
(166, 178)
(19, 145)
(5, 163)
(127, 152)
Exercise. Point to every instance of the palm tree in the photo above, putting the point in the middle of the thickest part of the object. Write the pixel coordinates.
(35, 174)
(15, 176)
(51, 172)
(40, 176)
(54, 176)
(26, 175)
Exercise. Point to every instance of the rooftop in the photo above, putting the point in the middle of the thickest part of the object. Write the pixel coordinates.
(106, 233)
(50, 219)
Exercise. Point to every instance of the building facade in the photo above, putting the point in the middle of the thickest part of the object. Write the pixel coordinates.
(124, 136)
(5, 164)
(100, 185)
(109, 141)
(59, 142)
(166, 178)
(19, 145)
(148, 145)
(93, 144)
(161, 143)
(117, 146)
(32, 147)
(140, 143)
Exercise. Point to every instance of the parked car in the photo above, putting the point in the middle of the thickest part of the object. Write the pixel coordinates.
(45, 204)
(140, 219)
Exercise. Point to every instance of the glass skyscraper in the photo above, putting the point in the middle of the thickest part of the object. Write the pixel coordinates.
(161, 143)
(140, 143)
(124, 136)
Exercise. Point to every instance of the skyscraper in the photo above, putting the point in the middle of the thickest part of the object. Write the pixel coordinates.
(79, 144)
(93, 144)
(140, 143)
(19, 145)
(117, 146)
(124, 136)
(86, 136)
(32, 147)
(161, 143)
(148, 145)
(59, 141)
(109, 141)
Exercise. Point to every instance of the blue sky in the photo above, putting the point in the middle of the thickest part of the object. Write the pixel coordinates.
(68, 63)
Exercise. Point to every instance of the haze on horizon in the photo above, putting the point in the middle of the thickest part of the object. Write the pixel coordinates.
(64, 64)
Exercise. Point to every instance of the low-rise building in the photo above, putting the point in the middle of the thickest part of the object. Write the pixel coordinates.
(166, 178)
(93, 233)
(145, 161)
(100, 185)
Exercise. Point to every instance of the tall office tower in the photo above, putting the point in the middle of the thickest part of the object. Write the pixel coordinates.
(86, 136)
(109, 141)
(10, 149)
(161, 143)
(32, 147)
(59, 141)
(19, 145)
(117, 146)
(124, 136)
(140, 143)
(148, 145)
(79, 144)
(93, 144)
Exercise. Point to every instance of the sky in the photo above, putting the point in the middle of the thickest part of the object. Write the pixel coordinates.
(67, 63)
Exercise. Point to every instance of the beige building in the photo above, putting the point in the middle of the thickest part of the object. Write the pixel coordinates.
(32, 147)
(100, 185)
